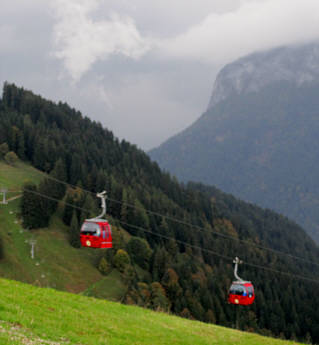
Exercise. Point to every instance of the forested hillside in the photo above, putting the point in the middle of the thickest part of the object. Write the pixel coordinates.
(184, 267)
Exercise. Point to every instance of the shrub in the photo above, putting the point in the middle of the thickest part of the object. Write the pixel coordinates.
(11, 158)
(104, 267)
(121, 260)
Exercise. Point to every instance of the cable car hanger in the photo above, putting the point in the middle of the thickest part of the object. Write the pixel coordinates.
(236, 261)
(102, 196)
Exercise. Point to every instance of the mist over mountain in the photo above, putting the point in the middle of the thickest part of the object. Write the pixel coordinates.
(258, 138)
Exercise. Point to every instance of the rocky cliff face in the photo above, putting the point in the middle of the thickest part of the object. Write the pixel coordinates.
(298, 65)
(259, 137)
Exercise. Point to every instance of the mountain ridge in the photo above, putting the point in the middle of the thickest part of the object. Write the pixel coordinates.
(255, 71)
(259, 144)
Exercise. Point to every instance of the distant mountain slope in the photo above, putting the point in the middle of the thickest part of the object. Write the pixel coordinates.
(259, 137)
(184, 266)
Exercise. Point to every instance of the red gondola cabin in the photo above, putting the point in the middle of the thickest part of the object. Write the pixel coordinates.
(96, 233)
(242, 293)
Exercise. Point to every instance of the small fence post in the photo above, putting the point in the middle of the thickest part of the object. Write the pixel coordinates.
(4, 191)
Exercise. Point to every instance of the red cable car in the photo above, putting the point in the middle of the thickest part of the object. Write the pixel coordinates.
(241, 292)
(96, 232)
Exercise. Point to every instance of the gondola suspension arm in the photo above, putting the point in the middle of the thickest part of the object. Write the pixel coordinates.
(102, 196)
(236, 261)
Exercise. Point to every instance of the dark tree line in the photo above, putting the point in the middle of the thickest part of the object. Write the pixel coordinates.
(172, 275)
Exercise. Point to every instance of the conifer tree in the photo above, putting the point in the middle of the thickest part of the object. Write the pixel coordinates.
(20, 148)
(159, 300)
(89, 209)
(40, 156)
(4, 149)
(140, 251)
(68, 209)
(159, 264)
(101, 181)
(170, 281)
(59, 173)
(47, 189)
(74, 232)
(140, 217)
(129, 276)
(124, 213)
(172, 248)
(31, 208)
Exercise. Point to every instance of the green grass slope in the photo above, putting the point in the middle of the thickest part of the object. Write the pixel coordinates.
(32, 315)
(56, 264)
(13, 177)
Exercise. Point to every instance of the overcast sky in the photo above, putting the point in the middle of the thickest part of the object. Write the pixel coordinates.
(144, 69)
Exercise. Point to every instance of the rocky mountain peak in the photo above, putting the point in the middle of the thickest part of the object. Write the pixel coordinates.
(296, 64)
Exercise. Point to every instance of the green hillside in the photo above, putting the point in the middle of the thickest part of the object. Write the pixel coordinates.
(44, 316)
(55, 264)
(13, 177)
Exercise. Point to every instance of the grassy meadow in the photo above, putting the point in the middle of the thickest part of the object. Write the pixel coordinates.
(56, 264)
(47, 316)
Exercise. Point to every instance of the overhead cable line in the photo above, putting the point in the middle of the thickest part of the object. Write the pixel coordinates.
(222, 256)
(197, 227)
(209, 251)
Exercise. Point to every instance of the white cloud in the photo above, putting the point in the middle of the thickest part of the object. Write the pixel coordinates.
(166, 17)
(80, 41)
(147, 99)
(255, 25)
(150, 113)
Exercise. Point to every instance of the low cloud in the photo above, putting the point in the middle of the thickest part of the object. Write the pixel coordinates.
(80, 41)
(7, 38)
(255, 25)
(147, 71)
